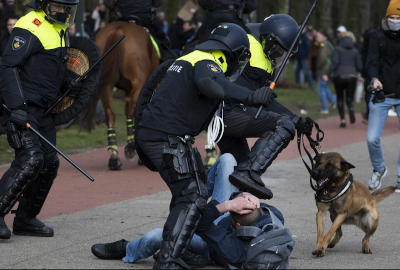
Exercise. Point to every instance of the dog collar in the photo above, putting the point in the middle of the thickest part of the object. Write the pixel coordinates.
(345, 188)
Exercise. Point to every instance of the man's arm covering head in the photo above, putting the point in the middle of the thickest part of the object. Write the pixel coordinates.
(246, 219)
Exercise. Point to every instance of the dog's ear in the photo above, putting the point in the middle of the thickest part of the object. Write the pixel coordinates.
(346, 166)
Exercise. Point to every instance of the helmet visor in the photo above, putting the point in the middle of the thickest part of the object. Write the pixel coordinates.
(61, 14)
(242, 61)
(276, 55)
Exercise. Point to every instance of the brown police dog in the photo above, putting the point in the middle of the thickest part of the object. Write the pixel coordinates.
(348, 202)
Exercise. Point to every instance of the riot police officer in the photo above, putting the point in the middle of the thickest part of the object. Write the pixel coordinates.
(270, 41)
(220, 11)
(182, 106)
(33, 72)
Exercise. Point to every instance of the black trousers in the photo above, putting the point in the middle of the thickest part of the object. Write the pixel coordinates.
(240, 124)
(345, 88)
(152, 144)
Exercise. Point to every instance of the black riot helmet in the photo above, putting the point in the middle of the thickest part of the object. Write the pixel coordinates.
(232, 40)
(278, 33)
(59, 12)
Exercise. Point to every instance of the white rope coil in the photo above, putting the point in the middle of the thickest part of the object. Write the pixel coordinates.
(215, 128)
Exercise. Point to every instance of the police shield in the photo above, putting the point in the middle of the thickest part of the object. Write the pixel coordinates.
(83, 54)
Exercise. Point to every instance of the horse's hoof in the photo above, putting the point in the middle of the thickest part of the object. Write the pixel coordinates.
(130, 151)
(140, 162)
(114, 164)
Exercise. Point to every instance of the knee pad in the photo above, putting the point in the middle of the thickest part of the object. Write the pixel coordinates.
(287, 125)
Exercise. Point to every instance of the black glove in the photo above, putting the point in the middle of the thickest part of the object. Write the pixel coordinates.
(19, 117)
(262, 96)
(75, 88)
(305, 125)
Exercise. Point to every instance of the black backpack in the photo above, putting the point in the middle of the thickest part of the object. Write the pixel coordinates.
(364, 46)
(269, 248)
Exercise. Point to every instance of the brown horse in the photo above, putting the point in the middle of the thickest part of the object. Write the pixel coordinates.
(127, 67)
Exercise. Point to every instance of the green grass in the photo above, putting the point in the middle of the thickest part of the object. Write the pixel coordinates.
(72, 141)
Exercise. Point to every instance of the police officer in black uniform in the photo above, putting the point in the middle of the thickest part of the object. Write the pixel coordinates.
(270, 41)
(182, 106)
(145, 11)
(222, 11)
(33, 72)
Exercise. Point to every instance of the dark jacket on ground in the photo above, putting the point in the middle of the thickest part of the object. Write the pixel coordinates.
(346, 59)
(225, 247)
(385, 67)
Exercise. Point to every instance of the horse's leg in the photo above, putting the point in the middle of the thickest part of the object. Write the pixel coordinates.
(130, 105)
(114, 162)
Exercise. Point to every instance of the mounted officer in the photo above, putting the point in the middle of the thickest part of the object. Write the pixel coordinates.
(33, 72)
(143, 12)
(222, 11)
(182, 106)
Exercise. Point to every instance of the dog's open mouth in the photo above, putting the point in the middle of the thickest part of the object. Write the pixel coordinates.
(322, 182)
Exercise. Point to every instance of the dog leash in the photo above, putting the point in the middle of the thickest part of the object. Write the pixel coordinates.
(315, 145)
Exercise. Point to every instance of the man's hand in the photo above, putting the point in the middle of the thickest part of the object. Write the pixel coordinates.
(75, 88)
(241, 206)
(19, 117)
(262, 96)
(377, 84)
(251, 198)
(307, 124)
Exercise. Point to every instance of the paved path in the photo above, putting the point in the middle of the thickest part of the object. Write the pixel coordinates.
(127, 203)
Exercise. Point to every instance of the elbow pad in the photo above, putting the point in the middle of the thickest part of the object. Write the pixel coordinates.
(208, 87)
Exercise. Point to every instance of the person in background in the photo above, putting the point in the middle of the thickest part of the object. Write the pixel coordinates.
(179, 32)
(324, 62)
(5, 35)
(98, 15)
(302, 58)
(346, 63)
(383, 68)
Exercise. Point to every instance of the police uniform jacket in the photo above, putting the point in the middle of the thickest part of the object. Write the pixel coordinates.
(256, 74)
(182, 105)
(32, 68)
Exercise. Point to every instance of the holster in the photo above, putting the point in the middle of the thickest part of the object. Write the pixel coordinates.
(13, 136)
(180, 156)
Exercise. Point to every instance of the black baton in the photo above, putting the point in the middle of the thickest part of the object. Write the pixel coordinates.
(273, 83)
(189, 140)
(3, 130)
(85, 74)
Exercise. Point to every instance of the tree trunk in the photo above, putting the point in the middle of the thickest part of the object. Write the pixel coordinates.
(284, 6)
(365, 12)
(327, 16)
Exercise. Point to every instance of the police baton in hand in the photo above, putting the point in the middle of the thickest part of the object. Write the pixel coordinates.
(81, 78)
(3, 130)
(273, 83)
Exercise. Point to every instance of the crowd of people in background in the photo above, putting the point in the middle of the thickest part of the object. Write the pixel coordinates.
(316, 63)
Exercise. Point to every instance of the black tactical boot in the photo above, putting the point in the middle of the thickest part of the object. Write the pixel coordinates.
(111, 251)
(5, 233)
(245, 182)
(164, 259)
(31, 226)
(194, 260)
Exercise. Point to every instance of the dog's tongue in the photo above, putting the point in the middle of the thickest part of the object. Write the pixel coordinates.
(321, 182)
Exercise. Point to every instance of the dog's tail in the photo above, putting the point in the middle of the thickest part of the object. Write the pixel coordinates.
(382, 194)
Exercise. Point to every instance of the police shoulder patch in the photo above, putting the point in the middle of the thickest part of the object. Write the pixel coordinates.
(18, 43)
(214, 68)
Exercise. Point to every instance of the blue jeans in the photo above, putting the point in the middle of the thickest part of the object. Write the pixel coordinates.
(378, 114)
(219, 188)
(302, 64)
(325, 94)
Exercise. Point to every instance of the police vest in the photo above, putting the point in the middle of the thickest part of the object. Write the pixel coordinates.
(216, 56)
(258, 58)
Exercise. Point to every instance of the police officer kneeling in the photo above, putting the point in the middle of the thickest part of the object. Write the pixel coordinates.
(191, 91)
(33, 72)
